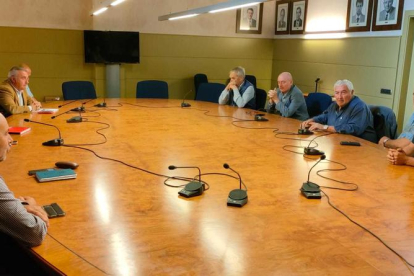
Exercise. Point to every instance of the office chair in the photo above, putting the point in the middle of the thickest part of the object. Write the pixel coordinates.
(317, 103)
(209, 92)
(261, 97)
(385, 122)
(78, 90)
(152, 89)
(251, 79)
(199, 79)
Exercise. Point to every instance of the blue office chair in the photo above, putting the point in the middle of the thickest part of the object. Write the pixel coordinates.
(209, 92)
(317, 103)
(152, 89)
(261, 97)
(385, 122)
(78, 90)
(199, 79)
(251, 79)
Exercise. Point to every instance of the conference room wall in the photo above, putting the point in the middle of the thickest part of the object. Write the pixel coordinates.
(369, 62)
(54, 55)
(177, 58)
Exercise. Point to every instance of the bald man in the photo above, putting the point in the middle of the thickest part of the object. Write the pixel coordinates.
(287, 100)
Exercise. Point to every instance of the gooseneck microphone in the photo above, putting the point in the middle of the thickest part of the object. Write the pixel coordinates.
(184, 104)
(312, 151)
(309, 189)
(101, 104)
(81, 108)
(237, 197)
(67, 103)
(50, 143)
(193, 188)
(316, 84)
(53, 117)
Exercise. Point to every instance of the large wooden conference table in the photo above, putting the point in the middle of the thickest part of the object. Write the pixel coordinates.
(123, 221)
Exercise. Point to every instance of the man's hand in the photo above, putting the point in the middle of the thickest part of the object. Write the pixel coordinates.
(273, 98)
(35, 209)
(306, 123)
(231, 86)
(397, 156)
(36, 103)
(315, 126)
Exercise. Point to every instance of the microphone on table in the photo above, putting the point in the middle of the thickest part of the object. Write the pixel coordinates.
(101, 104)
(67, 103)
(312, 151)
(193, 188)
(81, 108)
(50, 143)
(184, 104)
(237, 197)
(309, 189)
(53, 117)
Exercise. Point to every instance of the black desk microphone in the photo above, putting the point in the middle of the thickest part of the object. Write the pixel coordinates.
(237, 197)
(312, 151)
(50, 143)
(67, 103)
(193, 188)
(184, 104)
(309, 189)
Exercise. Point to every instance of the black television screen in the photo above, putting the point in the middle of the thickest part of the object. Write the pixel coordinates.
(111, 47)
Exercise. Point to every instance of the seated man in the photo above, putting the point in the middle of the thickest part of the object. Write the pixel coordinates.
(238, 91)
(13, 95)
(348, 115)
(402, 156)
(287, 100)
(20, 218)
(29, 92)
(405, 138)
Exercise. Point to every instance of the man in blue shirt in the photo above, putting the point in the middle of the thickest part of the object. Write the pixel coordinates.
(239, 91)
(287, 100)
(348, 115)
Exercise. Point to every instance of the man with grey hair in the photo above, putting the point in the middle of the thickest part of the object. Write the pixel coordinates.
(238, 92)
(29, 92)
(287, 100)
(13, 95)
(388, 13)
(348, 115)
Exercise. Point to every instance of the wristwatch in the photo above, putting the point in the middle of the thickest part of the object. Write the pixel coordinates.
(385, 141)
(325, 127)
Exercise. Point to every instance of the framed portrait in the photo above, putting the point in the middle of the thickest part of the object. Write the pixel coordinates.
(358, 18)
(282, 23)
(387, 15)
(298, 16)
(249, 19)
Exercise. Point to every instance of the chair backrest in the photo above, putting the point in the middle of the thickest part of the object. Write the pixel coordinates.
(317, 103)
(209, 92)
(78, 90)
(152, 89)
(385, 122)
(251, 79)
(199, 79)
(261, 97)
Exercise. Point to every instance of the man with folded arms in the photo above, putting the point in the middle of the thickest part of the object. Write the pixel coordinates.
(13, 95)
(348, 115)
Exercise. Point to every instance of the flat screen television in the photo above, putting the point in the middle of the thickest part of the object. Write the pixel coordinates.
(111, 47)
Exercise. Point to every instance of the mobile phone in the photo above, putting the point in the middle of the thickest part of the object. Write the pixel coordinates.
(349, 143)
(59, 211)
(51, 213)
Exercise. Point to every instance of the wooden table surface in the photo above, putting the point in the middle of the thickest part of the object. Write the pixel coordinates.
(123, 221)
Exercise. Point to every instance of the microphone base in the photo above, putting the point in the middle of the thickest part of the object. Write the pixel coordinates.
(78, 109)
(311, 190)
(312, 151)
(185, 105)
(260, 118)
(76, 119)
(237, 198)
(100, 105)
(304, 131)
(53, 143)
(192, 189)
